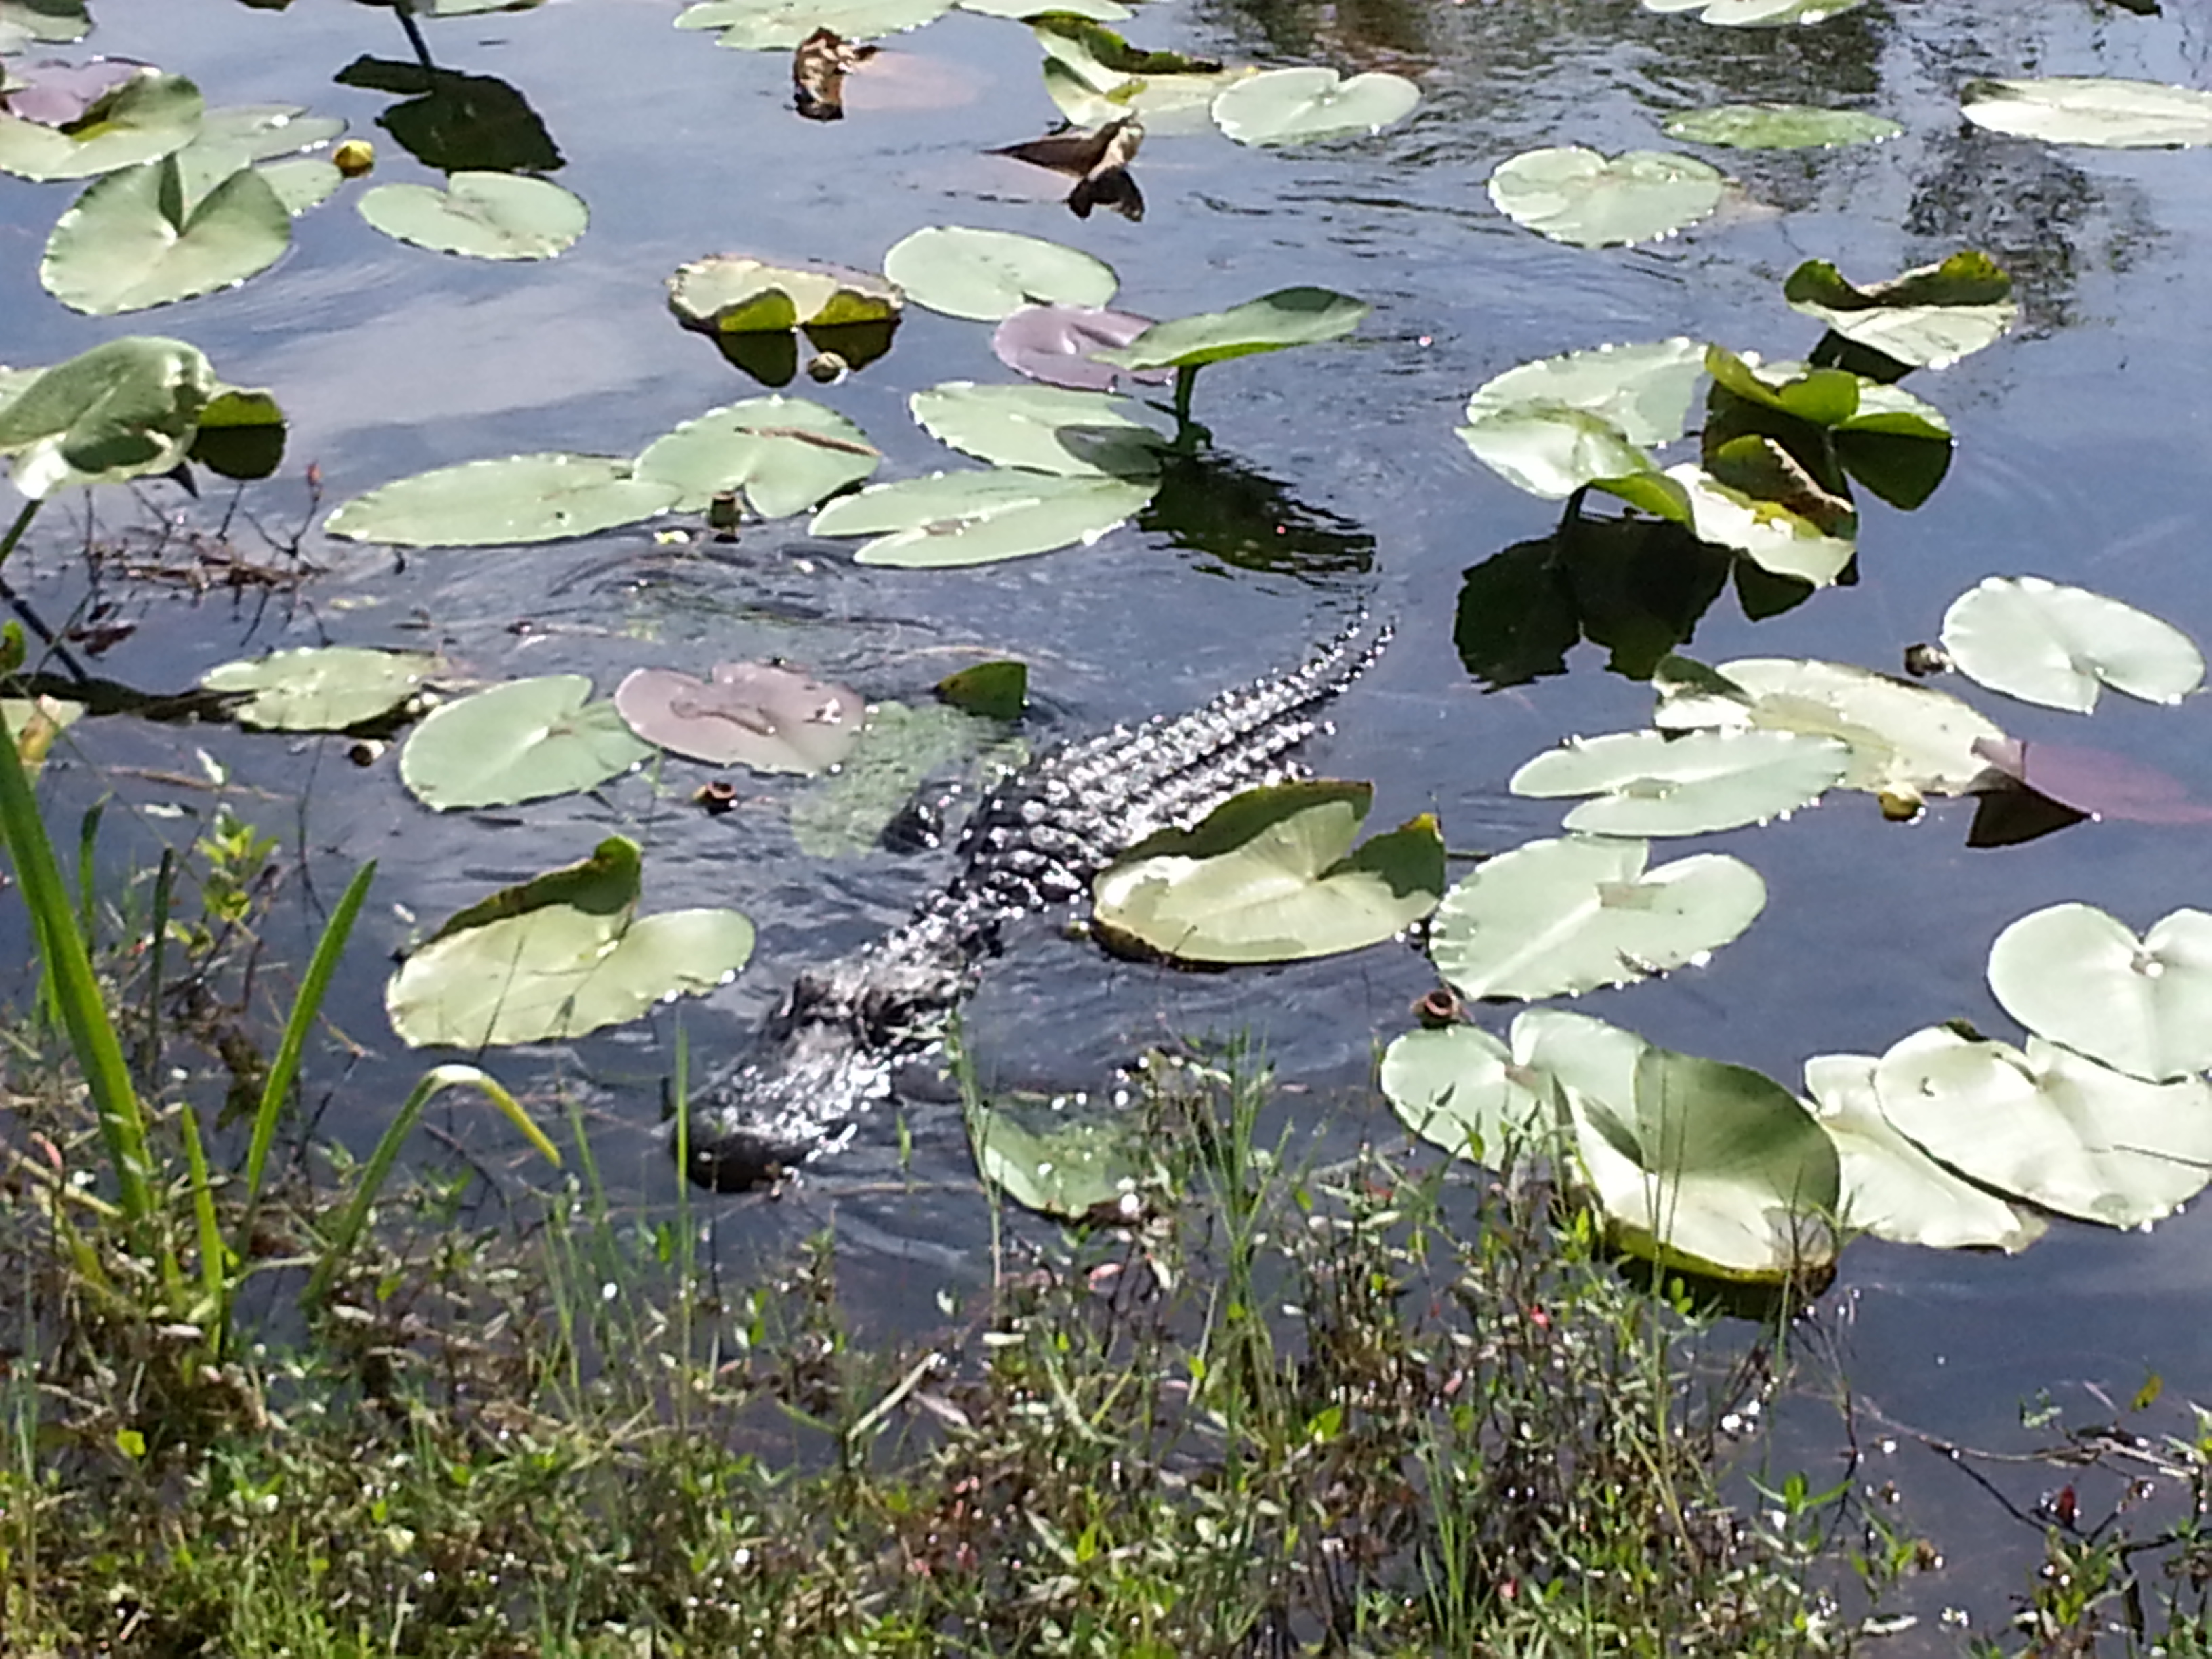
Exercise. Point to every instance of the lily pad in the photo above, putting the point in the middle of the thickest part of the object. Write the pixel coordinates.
(2044, 642)
(1773, 536)
(480, 215)
(1779, 126)
(1554, 918)
(521, 498)
(2096, 782)
(979, 518)
(1296, 105)
(58, 95)
(54, 22)
(559, 956)
(771, 719)
(1459, 1089)
(898, 748)
(1270, 876)
(988, 275)
(1647, 784)
(736, 294)
(261, 132)
(781, 24)
(525, 741)
(2073, 975)
(1059, 1159)
(1288, 317)
(126, 409)
(301, 182)
(1892, 1189)
(1758, 13)
(1073, 434)
(145, 119)
(1575, 195)
(321, 688)
(1553, 426)
(2103, 111)
(1096, 11)
(1054, 343)
(788, 454)
(140, 238)
(1166, 104)
(997, 690)
(2050, 1126)
(1927, 317)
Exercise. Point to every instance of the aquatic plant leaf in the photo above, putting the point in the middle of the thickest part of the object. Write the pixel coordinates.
(321, 688)
(1296, 105)
(980, 518)
(1892, 1189)
(525, 741)
(261, 132)
(54, 22)
(1288, 317)
(1774, 536)
(997, 690)
(2045, 642)
(1926, 318)
(143, 119)
(1458, 1088)
(986, 276)
(2049, 1126)
(788, 454)
(899, 747)
(2086, 109)
(1575, 195)
(2077, 977)
(1270, 876)
(768, 718)
(1558, 424)
(519, 498)
(554, 958)
(1096, 11)
(1779, 126)
(32, 723)
(1757, 13)
(141, 237)
(301, 182)
(1073, 434)
(1554, 918)
(1903, 738)
(57, 94)
(126, 409)
(1103, 58)
(1053, 343)
(480, 215)
(736, 294)
(2096, 782)
(1166, 104)
(1647, 784)
(242, 435)
(781, 24)
(1075, 1161)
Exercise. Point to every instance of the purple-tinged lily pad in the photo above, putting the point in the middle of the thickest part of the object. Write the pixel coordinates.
(1053, 343)
(55, 94)
(2095, 781)
(774, 719)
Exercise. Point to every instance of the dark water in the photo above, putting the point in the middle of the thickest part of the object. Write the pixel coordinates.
(2082, 443)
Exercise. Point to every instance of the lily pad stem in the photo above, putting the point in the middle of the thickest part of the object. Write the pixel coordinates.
(1189, 434)
(405, 14)
(1571, 513)
(16, 530)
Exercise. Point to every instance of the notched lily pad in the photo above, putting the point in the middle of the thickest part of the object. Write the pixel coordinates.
(770, 718)
(2045, 642)
(788, 454)
(737, 293)
(1297, 106)
(525, 741)
(986, 276)
(139, 237)
(480, 215)
(1575, 195)
(1647, 784)
(321, 688)
(2076, 976)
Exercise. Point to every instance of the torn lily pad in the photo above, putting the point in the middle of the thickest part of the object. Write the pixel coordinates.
(770, 718)
(321, 688)
(525, 741)
(2045, 642)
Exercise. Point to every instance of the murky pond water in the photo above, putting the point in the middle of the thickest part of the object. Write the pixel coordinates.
(1338, 484)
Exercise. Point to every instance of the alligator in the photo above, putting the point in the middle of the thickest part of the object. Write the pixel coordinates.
(837, 1044)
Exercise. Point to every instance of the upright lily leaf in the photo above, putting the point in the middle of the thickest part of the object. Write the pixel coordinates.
(143, 119)
(1296, 105)
(1575, 195)
(736, 294)
(1166, 104)
(1270, 876)
(1647, 784)
(2099, 110)
(788, 454)
(2073, 975)
(2042, 641)
(521, 498)
(525, 741)
(1074, 434)
(998, 690)
(138, 237)
(770, 718)
(321, 688)
(126, 409)
(980, 518)
(480, 215)
(1928, 318)
(781, 24)
(1757, 13)
(1555, 918)
(988, 275)
(1288, 317)
(1779, 126)
(559, 956)
(1774, 535)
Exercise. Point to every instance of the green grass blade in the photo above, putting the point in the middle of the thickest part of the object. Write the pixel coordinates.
(164, 888)
(215, 1258)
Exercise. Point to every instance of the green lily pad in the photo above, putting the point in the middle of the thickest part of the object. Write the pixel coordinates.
(898, 748)
(301, 182)
(1064, 1159)
(1273, 322)
(322, 689)
(525, 741)
(1773, 536)
(997, 690)
(1779, 126)
(242, 434)
(1073, 434)
(480, 215)
(2073, 975)
(1575, 195)
(521, 498)
(766, 716)
(261, 132)
(1927, 317)
(1270, 876)
(1165, 104)
(986, 276)
(1555, 918)
(1095, 11)
(1296, 105)
(2050, 1126)
(1553, 426)
(1757, 13)
(1903, 738)
(1459, 1089)
(2086, 109)
(1892, 1189)
(126, 409)
(559, 956)
(2042, 641)
(1103, 57)
(140, 238)
(735, 294)
(53, 22)
(1648, 784)
(781, 24)
(788, 454)
(143, 119)
(980, 518)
